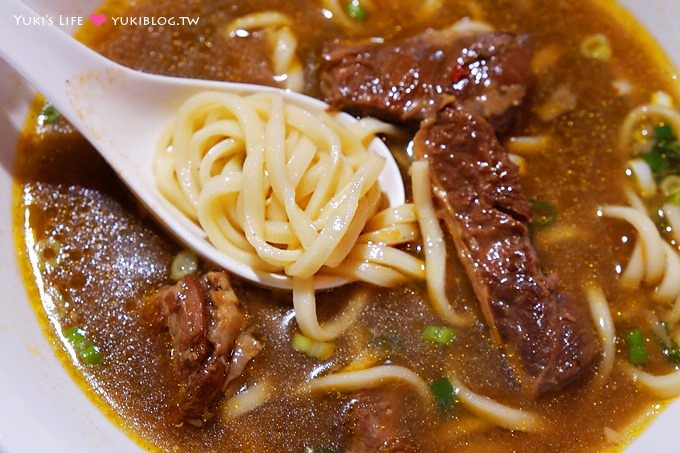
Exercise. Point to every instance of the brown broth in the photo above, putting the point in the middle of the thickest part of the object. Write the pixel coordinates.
(113, 254)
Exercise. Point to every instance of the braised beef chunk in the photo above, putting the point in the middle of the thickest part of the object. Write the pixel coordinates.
(205, 322)
(374, 424)
(487, 216)
(409, 80)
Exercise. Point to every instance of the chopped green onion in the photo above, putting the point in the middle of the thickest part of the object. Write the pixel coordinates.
(672, 353)
(666, 149)
(355, 10)
(301, 343)
(656, 161)
(664, 132)
(663, 159)
(185, 263)
(637, 351)
(596, 47)
(545, 213)
(49, 115)
(670, 149)
(669, 347)
(674, 199)
(83, 346)
(444, 394)
(317, 349)
(670, 185)
(438, 334)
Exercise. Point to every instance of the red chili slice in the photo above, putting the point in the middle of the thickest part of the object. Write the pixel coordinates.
(459, 73)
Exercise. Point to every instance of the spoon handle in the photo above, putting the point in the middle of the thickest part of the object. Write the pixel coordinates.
(45, 55)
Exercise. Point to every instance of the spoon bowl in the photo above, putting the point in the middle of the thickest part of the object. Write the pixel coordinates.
(122, 113)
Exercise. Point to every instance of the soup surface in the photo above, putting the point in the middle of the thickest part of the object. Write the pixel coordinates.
(106, 255)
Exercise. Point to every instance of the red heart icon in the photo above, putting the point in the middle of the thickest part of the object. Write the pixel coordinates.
(97, 19)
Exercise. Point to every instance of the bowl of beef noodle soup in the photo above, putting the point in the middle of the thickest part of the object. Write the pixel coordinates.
(524, 297)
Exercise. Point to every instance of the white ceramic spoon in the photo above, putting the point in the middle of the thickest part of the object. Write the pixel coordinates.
(122, 112)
